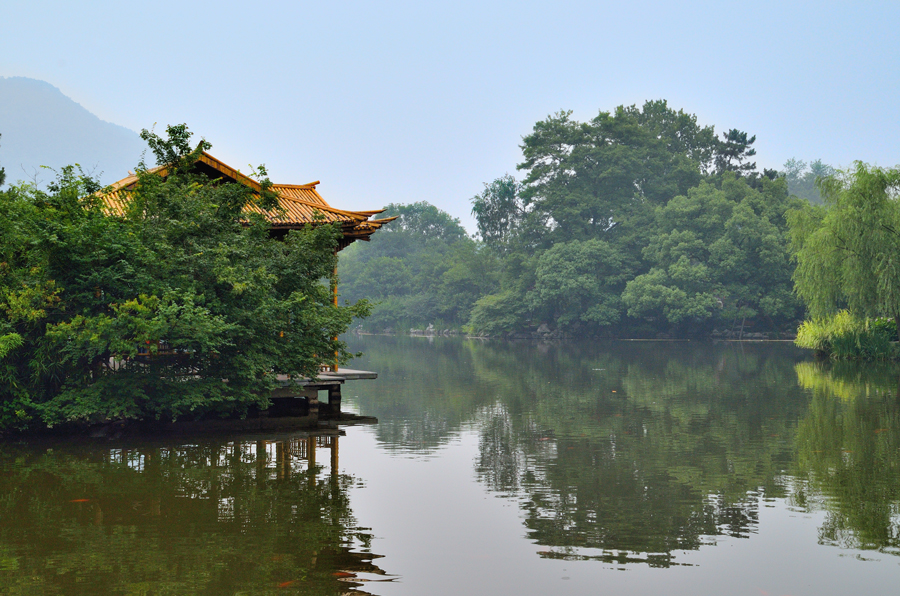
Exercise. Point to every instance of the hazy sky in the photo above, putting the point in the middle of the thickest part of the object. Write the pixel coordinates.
(402, 101)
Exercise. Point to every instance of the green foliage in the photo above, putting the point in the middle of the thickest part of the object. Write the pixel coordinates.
(420, 269)
(719, 255)
(495, 314)
(9, 342)
(656, 294)
(579, 281)
(848, 255)
(802, 178)
(90, 295)
(637, 222)
(499, 211)
(425, 222)
(592, 179)
(733, 150)
(843, 336)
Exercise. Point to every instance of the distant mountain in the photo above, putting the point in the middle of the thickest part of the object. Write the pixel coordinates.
(42, 127)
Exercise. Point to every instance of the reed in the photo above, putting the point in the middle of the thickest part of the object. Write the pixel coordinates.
(845, 337)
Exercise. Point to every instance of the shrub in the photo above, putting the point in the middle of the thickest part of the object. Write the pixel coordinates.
(844, 336)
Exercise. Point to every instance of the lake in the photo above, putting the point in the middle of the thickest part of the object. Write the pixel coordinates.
(495, 468)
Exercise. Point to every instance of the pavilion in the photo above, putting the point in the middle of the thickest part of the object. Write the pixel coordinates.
(299, 205)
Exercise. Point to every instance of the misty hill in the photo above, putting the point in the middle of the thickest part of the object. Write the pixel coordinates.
(42, 127)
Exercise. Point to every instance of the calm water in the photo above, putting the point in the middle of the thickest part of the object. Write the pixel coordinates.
(621, 468)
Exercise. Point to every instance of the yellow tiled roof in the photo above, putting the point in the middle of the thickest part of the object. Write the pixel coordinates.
(300, 204)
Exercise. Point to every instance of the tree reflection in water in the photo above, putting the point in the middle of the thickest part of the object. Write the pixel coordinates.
(618, 451)
(848, 453)
(209, 517)
(638, 453)
(631, 452)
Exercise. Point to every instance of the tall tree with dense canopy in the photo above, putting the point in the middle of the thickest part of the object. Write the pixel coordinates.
(579, 283)
(720, 256)
(733, 150)
(603, 177)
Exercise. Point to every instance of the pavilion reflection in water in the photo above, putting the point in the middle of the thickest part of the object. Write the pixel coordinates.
(218, 516)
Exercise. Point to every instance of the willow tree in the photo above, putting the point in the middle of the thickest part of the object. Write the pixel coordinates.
(848, 252)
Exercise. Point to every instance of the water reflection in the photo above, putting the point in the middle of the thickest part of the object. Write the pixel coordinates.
(634, 452)
(633, 455)
(206, 517)
(848, 454)
(640, 453)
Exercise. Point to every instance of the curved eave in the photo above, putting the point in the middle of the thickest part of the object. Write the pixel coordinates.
(301, 204)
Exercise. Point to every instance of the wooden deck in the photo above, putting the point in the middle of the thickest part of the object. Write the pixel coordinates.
(349, 374)
(329, 378)
(301, 396)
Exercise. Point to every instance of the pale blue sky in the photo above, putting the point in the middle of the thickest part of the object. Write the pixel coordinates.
(400, 101)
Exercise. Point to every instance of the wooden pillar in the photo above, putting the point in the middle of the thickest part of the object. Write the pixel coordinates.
(260, 462)
(334, 298)
(311, 451)
(313, 401)
(311, 460)
(334, 456)
(334, 401)
(335, 481)
(280, 460)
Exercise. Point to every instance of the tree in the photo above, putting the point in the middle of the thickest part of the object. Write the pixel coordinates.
(473, 273)
(499, 211)
(848, 255)
(802, 177)
(641, 197)
(579, 283)
(423, 268)
(423, 221)
(733, 151)
(603, 177)
(86, 292)
(718, 255)
(2, 174)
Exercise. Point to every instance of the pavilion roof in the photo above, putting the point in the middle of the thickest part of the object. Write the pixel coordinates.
(301, 204)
